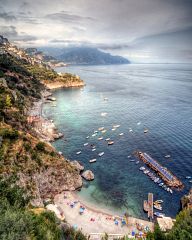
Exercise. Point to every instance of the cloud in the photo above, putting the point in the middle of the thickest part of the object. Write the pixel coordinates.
(67, 17)
(11, 32)
(7, 16)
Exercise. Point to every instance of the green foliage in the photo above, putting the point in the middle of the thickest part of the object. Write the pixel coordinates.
(9, 133)
(182, 229)
(72, 234)
(8, 101)
(1, 74)
(40, 146)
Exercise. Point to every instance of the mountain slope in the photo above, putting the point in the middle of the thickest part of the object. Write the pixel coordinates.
(89, 56)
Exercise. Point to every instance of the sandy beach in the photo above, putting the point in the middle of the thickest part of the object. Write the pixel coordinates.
(95, 222)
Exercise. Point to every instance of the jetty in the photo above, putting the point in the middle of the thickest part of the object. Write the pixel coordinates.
(164, 173)
(148, 206)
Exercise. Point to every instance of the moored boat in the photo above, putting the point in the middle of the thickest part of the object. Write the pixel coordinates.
(100, 138)
(93, 160)
(85, 144)
(158, 214)
(79, 152)
(110, 143)
(121, 134)
(101, 154)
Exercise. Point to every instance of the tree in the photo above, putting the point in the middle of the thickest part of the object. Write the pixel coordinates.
(8, 101)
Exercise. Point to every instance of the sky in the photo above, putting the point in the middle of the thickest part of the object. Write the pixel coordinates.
(149, 31)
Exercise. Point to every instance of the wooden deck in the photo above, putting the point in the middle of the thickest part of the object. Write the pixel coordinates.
(148, 206)
(166, 175)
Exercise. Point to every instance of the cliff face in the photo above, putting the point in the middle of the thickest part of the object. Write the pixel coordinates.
(186, 201)
(35, 165)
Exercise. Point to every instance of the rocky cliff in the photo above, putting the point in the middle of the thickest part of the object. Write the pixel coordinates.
(34, 165)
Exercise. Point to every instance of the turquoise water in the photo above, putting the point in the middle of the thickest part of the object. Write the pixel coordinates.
(157, 96)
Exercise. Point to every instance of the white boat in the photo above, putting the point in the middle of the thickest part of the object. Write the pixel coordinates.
(142, 168)
(103, 114)
(167, 156)
(101, 154)
(93, 160)
(105, 99)
(138, 123)
(101, 128)
(158, 201)
(158, 207)
(137, 162)
(116, 126)
(85, 144)
(130, 130)
(104, 131)
(145, 130)
(188, 177)
(93, 149)
(79, 152)
(158, 214)
(100, 138)
(87, 137)
(129, 156)
(60, 153)
(110, 143)
(171, 191)
(132, 160)
(121, 134)
(107, 139)
(190, 181)
(113, 129)
(95, 131)
(93, 135)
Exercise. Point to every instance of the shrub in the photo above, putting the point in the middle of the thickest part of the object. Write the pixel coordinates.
(9, 133)
(40, 146)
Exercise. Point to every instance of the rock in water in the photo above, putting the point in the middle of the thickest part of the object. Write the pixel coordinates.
(77, 165)
(88, 175)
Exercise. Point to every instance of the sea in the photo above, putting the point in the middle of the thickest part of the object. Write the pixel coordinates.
(156, 97)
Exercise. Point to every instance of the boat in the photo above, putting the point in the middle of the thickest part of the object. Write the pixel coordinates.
(93, 160)
(146, 171)
(95, 131)
(87, 137)
(100, 138)
(142, 168)
(158, 207)
(93, 149)
(113, 129)
(190, 181)
(188, 177)
(85, 144)
(158, 214)
(93, 135)
(129, 156)
(60, 153)
(107, 139)
(167, 156)
(104, 131)
(121, 134)
(101, 154)
(79, 152)
(103, 114)
(171, 191)
(93, 145)
(116, 126)
(159, 201)
(130, 130)
(110, 143)
(101, 128)
(105, 99)
(138, 123)
(146, 130)
(132, 160)
(137, 162)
